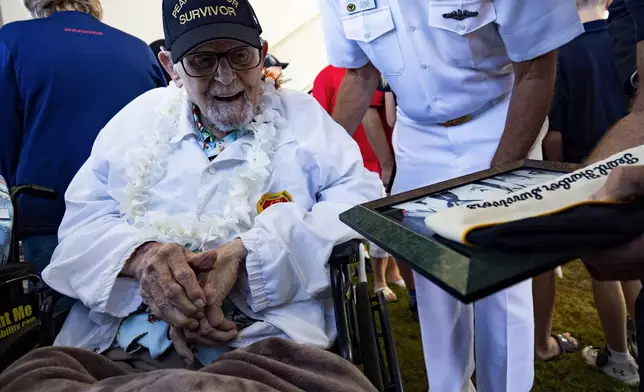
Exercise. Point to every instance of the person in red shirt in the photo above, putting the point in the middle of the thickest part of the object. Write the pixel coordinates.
(325, 89)
(377, 154)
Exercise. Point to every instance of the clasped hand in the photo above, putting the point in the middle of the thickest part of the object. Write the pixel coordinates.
(187, 290)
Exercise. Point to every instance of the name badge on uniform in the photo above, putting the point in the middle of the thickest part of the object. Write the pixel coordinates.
(355, 6)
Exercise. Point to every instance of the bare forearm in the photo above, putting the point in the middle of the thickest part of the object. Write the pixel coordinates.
(355, 95)
(390, 109)
(529, 106)
(377, 138)
(553, 147)
(627, 133)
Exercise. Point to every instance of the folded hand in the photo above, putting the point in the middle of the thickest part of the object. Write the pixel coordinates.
(216, 283)
(169, 285)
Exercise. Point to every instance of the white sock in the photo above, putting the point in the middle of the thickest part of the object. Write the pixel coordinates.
(619, 356)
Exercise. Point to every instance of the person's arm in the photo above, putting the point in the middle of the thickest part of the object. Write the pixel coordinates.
(94, 246)
(390, 108)
(531, 32)
(10, 117)
(553, 146)
(531, 98)
(375, 131)
(289, 245)
(95, 240)
(355, 94)
(628, 132)
(362, 78)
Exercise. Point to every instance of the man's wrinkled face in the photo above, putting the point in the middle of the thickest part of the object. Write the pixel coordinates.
(227, 98)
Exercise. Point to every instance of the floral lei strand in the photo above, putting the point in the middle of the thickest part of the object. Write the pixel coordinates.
(147, 167)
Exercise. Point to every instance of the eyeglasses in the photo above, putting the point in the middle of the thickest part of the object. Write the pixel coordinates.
(201, 64)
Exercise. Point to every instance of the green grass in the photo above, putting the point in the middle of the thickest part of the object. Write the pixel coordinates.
(574, 313)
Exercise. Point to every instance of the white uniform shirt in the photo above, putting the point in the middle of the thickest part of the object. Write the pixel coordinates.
(443, 68)
(314, 160)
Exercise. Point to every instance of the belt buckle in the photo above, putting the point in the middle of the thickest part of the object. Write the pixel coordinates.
(457, 121)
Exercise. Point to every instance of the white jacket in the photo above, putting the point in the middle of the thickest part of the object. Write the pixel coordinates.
(288, 244)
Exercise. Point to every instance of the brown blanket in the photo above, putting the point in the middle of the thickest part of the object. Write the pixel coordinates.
(270, 365)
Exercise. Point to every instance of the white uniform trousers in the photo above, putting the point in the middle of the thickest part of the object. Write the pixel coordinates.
(503, 322)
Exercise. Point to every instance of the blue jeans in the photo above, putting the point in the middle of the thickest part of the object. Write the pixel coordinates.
(38, 250)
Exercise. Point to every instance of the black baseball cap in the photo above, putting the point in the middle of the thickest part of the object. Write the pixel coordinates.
(190, 23)
(272, 61)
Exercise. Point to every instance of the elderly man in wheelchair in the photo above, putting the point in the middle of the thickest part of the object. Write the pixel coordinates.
(204, 218)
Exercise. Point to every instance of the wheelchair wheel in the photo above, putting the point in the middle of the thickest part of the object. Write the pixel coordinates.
(359, 340)
(393, 366)
(368, 344)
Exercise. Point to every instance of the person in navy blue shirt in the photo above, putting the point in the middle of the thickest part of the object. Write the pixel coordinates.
(589, 100)
(588, 94)
(626, 261)
(63, 76)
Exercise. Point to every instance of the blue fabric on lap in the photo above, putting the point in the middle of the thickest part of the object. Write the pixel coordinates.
(138, 330)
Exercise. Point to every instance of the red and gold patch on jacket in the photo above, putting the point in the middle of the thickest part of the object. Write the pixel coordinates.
(273, 198)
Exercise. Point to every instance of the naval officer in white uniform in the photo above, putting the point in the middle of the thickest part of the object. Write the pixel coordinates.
(474, 82)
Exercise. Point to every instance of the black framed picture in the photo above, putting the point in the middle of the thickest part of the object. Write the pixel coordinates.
(396, 224)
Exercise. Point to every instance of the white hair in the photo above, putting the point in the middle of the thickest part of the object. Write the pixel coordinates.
(44, 8)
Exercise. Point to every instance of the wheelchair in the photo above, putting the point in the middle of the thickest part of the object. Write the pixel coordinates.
(364, 335)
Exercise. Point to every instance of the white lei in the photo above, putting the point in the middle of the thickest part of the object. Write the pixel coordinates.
(146, 168)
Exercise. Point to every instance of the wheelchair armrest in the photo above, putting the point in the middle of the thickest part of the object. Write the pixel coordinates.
(346, 253)
(34, 191)
(48, 321)
(13, 272)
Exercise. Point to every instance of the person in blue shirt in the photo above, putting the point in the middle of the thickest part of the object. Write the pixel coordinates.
(589, 100)
(64, 75)
(626, 261)
(588, 94)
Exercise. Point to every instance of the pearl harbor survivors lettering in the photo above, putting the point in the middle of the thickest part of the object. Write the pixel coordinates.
(565, 183)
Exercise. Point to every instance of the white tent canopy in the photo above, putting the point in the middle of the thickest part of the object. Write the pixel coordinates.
(292, 28)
